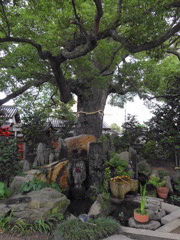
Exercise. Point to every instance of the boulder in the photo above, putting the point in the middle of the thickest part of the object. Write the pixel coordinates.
(78, 144)
(58, 172)
(17, 183)
(42, 154)
(37, 205)
(53, 172)
(4, 210)
(167, 180)
(26, 166)
(35, 173)
(144, 167)
(100, 208)
(156, 215)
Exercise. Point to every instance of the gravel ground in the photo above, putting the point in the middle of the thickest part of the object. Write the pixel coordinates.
(33, 236)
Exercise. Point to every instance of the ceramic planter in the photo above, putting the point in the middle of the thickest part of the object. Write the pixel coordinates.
(140, 217)
(162, 192)
(121, 187)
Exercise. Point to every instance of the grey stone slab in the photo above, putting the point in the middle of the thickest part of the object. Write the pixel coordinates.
(169, 207)
(142, 234)
(117, 237)
(169, 227)
(151, 225)
(170, 217)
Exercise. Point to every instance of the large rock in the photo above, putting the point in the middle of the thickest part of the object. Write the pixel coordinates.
(17, 183)
(58, 172)
(101, 207)
(53, 172)
(42, 154)
(145, 168)
(78, 144)
(167, 180)
(37, 205)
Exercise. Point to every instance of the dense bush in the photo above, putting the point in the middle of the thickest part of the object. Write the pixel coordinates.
(95, 229)
(9, 159)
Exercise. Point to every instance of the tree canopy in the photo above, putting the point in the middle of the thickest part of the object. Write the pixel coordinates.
(62, 42)
(82, 47)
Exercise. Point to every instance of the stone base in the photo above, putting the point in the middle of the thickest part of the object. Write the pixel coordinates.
(151, 225)
(156, 215)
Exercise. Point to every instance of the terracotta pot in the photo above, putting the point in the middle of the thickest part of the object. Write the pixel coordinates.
(162, 192)
(139, 217)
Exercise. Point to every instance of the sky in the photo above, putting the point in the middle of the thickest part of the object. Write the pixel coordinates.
(117, 115)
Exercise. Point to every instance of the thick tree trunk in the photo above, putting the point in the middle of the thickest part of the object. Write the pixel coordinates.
(90, 110)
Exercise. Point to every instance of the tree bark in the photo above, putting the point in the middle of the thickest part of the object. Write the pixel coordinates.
(90, 110)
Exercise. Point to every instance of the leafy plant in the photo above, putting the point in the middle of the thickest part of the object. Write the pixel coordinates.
(4, 191)
(156, 181)
(117, 166)
(143, 199)
(35, 185)
(94, 229)
(9, 159)
(175, 199)
(5, 222)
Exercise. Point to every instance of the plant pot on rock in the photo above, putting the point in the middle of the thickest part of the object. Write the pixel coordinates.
(141, 214)
(161, 189)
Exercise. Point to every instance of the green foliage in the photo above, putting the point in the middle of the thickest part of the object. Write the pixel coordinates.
(143, 199)
(5, 192)
(21, 227)
(5, 222)
(9, 159)
(133, 135)
(175, 200)
(164, 126)
(116, 166)
(156, 181)
(35, 185)
(115, 127)
(94, 229)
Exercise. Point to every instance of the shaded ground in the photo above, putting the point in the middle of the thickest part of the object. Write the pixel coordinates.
(33, 236)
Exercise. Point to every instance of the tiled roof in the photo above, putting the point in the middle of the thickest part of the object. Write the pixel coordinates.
(7, 111)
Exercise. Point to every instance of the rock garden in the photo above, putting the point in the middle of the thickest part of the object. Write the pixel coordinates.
(84, 189)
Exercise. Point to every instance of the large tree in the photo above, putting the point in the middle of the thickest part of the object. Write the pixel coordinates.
(76, 47)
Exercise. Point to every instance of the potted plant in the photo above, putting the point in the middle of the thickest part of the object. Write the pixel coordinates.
(141, 214)
(161, 189)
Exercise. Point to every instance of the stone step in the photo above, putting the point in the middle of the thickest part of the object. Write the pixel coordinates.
(142, 234)
(169, 207)
(169, 227)
(170, 217)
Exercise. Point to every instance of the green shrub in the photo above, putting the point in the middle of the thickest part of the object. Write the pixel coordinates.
(117, 166)
(78, 230)
(35, 185)
(4, 191)
(9, 159)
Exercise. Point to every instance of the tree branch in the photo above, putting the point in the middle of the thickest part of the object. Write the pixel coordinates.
(65, 93)
(119, 7)
(80, 51)
(148, 45)
(174, 52)
(22, 90)
(98, 16)
(6, 20)
(42, 54)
